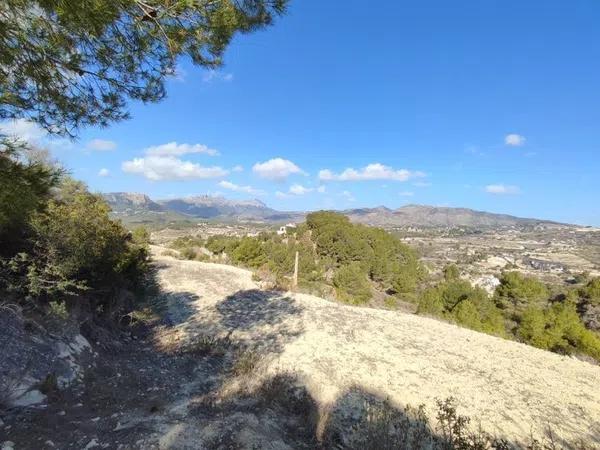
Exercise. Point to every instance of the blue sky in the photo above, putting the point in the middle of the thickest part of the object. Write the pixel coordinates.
(492, 105)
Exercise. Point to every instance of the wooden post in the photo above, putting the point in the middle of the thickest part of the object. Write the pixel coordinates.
(295, 280)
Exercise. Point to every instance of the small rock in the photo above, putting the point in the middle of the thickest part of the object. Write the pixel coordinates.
(62, 413)
(8, 445)
(78, 405)
(95, 419)
(29, 398)
(93, 443)
(49, 443)
(1, 423)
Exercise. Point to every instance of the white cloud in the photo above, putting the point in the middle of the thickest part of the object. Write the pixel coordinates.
(276, 169)
(514, 140)
(23, 129)
(175, 149)
(237, 168)
(103, 173)
(298, 189)
(101, 145)
(375, 171)
(31, 133)
(501, 189)
(160, 168)
(214, 75)
(237, 188)
(406, 194)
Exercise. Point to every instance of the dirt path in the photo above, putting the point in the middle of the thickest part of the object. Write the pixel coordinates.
(513, 389)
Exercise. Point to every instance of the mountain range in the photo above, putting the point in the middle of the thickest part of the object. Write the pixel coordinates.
(139, 208)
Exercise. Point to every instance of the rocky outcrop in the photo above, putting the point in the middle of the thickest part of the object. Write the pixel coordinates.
(34, 360)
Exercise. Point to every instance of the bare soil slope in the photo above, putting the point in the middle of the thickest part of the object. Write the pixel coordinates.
(516, 391)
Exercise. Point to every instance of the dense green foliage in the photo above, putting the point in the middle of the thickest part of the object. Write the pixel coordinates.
(458, 301)
(591, 292)
(521, 308)
(66, 64)
(25, 185)
(558, 328)
(516, 292)
(393, 266)
(352, 285)
(67, 249)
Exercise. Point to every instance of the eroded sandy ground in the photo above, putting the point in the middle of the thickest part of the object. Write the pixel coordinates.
(513, 389)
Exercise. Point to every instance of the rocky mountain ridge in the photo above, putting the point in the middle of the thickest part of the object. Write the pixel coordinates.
(127, 205)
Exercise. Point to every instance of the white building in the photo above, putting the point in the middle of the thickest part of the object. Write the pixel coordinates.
(284, 229)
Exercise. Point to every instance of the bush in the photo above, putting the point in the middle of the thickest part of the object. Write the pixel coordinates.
(221, 244)
(451, 272)
(459, 302)
(352, 285)
(249, 253)
(186, 241)
(515, 292)
(431, 303)
(25, 187)
(74, 251)
(558, 328)
(591, 291)
(188, 253)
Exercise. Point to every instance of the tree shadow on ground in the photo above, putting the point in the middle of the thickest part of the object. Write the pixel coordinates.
(282, 410)
(262, 320)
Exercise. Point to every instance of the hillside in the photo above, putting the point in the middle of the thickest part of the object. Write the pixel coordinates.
(139, 207)
(410, 359)
(232, 366)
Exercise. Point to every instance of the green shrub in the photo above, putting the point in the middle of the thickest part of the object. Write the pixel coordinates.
(516, 291)
(25, 188)
(430, 303)
(558, 328)
(591, 291)
(221, 244)
(451, 272)
(352, 285)
(74, 251)
(460, 302)
(58, 310)
(250, 253)
(186, 241)
(188, 253)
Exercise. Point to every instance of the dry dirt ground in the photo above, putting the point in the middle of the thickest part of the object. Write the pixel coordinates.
(235, 367)
(513, 389)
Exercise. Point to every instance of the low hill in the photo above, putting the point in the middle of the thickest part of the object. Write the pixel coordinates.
(438, 216)
(131, 207)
